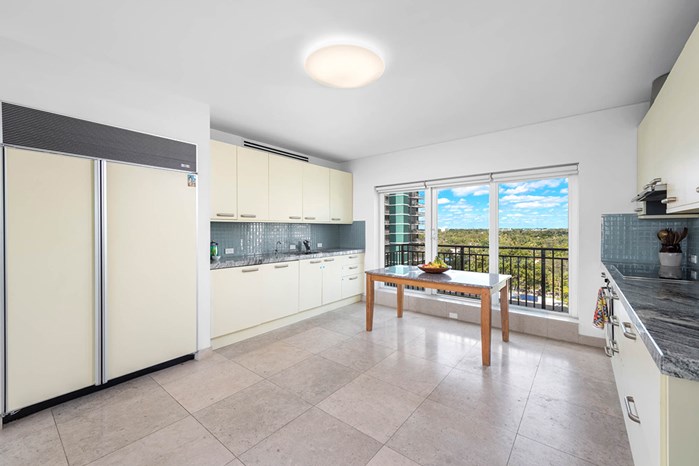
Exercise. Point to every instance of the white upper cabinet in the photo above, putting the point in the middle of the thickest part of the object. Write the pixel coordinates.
(253, 185)
(224, 202)
(668, 140)
(316, 193)
(340, 196)
(285, 189)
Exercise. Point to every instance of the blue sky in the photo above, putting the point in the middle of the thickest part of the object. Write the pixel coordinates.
(525, 204)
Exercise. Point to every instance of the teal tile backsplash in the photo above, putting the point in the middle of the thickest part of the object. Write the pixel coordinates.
(626, 238)
(260, 238)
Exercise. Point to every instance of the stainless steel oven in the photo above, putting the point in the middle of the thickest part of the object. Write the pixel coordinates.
(609, 295)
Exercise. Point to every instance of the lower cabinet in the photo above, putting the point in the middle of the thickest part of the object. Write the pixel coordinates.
(332, 279)
(659, 411)
(310, 284)
(243, 297)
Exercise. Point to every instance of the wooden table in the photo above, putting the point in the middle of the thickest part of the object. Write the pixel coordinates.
(483, 284)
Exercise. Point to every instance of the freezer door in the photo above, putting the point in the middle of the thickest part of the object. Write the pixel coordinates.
(50, 276)
(150, 264)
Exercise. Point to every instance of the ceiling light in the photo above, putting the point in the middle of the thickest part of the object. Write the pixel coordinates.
(344, 66)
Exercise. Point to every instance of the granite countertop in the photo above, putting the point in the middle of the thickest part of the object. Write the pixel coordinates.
(666, 314)
(270, 258)
(453, 277)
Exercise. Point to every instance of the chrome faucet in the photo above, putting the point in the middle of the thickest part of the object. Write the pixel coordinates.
(307, 245)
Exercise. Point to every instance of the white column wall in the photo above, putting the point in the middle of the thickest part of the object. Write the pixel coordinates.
(603, 143)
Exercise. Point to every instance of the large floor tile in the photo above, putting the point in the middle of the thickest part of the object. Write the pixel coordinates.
(527, 452)
(410, 373)
(388, 457)
(441, 347)
(482, 397)
(314, 379)
(581, 432)
(246, 346)
(183, 443)
(588, 360)
(438, 435)
(346, 326)
(211, 384)
(314, 438)
(273, 358)
(188, 368)
(577, 388)
(359, 354)
(394, 334)
(316, 340)
(91, 430)
(32, 440)
(374, 407)
(517, 368)
(244, 419)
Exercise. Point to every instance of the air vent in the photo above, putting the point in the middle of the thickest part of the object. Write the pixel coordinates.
(254, 145)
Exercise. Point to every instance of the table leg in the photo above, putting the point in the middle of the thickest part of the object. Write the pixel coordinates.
(369, 303)
(505, 312)
(486, 322)
(399, 298)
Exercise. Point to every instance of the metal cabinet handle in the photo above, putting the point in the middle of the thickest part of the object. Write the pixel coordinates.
(697, 190)
(248, 215)
(295, 217)
(250, 270)
(328, 260)
(608, 351)
(614, 320)
(633, 416)
(353, 278)
(335, 219)
(652, 183)
(283, 266)
(353, 257)
(353, 267)
(225, 215)
(626, 329)
(638, 209)
(668, 200)
(316, 262)
(310, 218)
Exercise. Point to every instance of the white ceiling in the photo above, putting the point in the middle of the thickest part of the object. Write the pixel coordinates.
(454, 68)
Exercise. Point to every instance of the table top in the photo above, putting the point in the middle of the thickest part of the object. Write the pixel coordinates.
(451, 277)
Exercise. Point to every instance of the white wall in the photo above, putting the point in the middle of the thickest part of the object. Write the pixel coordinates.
(603, 143)
(111, 96)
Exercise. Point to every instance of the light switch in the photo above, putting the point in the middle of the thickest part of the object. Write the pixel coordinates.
(320, 245)
(230, 251)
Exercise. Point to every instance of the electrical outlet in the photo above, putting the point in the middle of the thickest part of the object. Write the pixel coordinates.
(229, 250)
(292, 247)
(319, 245)
(453, 315)
(693, 258)
(694, 274)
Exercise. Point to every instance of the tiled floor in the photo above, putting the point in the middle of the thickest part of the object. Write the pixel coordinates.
(324, 392)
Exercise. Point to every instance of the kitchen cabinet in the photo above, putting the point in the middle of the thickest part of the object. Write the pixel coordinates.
(316, 193)
(50, 276)
(352, 275)
(659, 411)
(243, 297)
(668, 141)
(310, 284)
(253, 184)
(224, 179)
(285, 189)
(332, 279)
(340, 196)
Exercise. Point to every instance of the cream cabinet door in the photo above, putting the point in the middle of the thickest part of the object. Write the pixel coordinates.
(285, 189)
(151, 313)
(332, 280)
(340, 196)
(253, 184)
(50, 276)
(316, 193)
(281, 290)
(310, 284)
(236, 295)
(224, 193)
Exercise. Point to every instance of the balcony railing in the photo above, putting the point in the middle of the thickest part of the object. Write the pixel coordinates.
(539, 275)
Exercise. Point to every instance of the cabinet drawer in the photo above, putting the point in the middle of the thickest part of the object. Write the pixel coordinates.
(352, 269)
(352, 285)
(351, 259)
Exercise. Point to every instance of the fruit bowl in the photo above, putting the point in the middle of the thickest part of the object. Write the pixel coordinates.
(427, 269)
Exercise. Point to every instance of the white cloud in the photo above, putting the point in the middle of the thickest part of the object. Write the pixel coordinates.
(527, 186)
(564, 191)
(468, 190)
(443, 200)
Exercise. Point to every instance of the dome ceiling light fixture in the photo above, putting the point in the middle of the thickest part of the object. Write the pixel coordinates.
(344, 66)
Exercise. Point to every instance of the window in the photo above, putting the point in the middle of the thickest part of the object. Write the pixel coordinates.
(512, 226)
